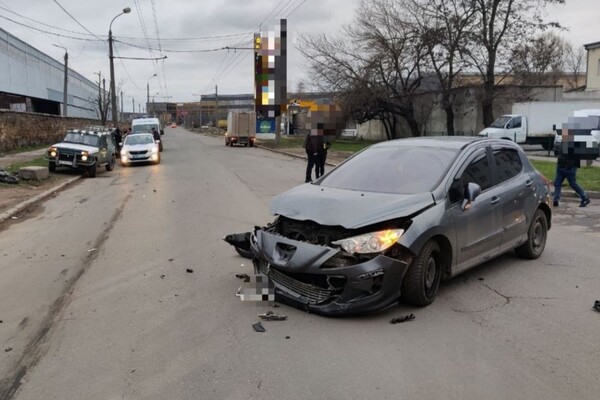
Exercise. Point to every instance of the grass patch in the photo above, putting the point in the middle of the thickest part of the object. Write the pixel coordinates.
(22, 150)
(37, 162)
(285, 143)
(353, 146)
(587, 177)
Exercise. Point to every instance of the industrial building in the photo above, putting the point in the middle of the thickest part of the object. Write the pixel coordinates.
(32, 81)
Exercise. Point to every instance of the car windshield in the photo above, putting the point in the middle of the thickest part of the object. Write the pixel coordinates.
(143, 128)
(500, 122)
(399, 169)
(82, 138)
(139, 139)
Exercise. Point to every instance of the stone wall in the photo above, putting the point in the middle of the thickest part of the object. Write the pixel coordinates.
(19, 129)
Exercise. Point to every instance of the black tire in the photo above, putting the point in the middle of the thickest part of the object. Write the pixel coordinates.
(226, 142)
(251, 144)
(422, 280)
(111, 164)
(92, 170)
(244, 253)
(537, 235)
(52, 166)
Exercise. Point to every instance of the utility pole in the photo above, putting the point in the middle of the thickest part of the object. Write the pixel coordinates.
(104, 105)
(121, 106)
(132, 106)
(66, 80)
(113, 94)
(216, 106)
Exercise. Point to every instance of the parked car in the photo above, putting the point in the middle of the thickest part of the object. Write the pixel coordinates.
(84, 150)
(395, 219)
(138, 148)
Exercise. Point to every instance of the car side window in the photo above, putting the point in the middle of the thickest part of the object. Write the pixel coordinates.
(508, 163)
(516, 122)
(478, 172)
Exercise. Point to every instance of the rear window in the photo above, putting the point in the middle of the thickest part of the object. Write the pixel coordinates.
(139, 139)
(401, 170)
(143, 128)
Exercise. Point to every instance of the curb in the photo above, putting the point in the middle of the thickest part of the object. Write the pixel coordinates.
(6, 215)
(291, 154)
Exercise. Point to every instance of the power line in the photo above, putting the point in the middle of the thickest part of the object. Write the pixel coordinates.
(150, 49)
(48, 32)
(297, 7)
(75, 19)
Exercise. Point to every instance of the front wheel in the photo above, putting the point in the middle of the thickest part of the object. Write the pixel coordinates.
(111, 164)
(422, 280)
(92, 170)
(536, 237)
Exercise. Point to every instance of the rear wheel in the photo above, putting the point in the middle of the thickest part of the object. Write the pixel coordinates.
(422, 280)
(536, 237)
(51, 166)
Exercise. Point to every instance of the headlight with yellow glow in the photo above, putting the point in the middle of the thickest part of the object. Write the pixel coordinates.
(374, 242)
(155, 149)
(53, 151)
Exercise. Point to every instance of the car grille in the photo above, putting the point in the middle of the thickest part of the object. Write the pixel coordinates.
(136, 153)
(314, 294)
(65, 156)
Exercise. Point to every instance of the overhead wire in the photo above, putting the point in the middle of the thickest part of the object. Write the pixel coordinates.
(48, 32)
(75, 19)
(164, 72)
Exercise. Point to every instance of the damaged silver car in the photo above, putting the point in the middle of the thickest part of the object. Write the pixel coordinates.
(395, 219)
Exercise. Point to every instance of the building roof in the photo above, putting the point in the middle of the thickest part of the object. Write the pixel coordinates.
(595, 45)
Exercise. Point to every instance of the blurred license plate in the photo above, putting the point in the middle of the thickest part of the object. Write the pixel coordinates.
(138, 156)
(62, 162)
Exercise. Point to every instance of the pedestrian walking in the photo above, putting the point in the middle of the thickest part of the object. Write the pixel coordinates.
(118, 139)
(566, 168)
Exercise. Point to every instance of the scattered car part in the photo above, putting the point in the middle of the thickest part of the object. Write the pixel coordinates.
(258, 327)
(245, 277)
(597, 305)
(241, 243)
(189, 270)
(6, 177)
(271, 316)
(399, 320)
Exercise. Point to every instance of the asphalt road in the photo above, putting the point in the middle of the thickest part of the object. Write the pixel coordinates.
(96, 302)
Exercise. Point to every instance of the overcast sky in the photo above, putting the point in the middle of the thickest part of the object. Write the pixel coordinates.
(205, 25)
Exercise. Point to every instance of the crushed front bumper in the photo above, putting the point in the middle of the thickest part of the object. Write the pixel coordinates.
(302, 277)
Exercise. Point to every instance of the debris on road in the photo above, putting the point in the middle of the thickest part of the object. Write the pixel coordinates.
(90, 250)
(154, 190)
(6, 177)
(171, 259)
(399, 320)
(258, 327)
(597, 305)
(276, 306)
(480, 279)
(189, 270)
(245, 277)
(10, 348)
(271, 316)
(162, 276)
(287, 337)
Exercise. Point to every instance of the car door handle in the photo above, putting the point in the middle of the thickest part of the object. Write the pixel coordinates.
(528, 183)
(495, 200)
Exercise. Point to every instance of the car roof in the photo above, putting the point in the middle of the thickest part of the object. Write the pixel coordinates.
(144, 120)
(89, 132)
(452, 142)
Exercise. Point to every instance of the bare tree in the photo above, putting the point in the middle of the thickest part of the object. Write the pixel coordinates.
(443, 26)
(574, 64)
(380, 51)
(499, 26)
(538, 61)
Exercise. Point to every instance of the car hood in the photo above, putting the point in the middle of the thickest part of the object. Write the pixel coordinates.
(490, 131)
(347, 208)
(139, 147)
(77, 147)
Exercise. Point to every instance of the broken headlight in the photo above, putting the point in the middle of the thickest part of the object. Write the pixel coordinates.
(374, 242)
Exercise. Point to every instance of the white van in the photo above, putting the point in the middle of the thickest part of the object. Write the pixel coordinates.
(140, 125)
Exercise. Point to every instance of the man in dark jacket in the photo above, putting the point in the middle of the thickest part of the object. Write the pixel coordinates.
(566, 167)
(312, 142)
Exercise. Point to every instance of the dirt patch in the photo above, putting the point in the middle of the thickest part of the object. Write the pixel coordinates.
(11, 195)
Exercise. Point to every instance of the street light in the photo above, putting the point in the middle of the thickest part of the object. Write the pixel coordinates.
(66, 79)
(113, 94)
(148, 90)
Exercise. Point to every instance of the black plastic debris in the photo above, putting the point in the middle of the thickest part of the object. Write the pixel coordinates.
(245, 277)
(276, 306)
(1, 321)
(7, 349)
(287, 337)
(480, 279)
(399, 320)
(154, 190)
(271, 316)
(258, 327)
(189, 270)
(596, 305)
(171, 259)
(162, 276)
(6, 177)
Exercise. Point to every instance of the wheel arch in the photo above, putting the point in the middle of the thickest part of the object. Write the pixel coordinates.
(546, 209)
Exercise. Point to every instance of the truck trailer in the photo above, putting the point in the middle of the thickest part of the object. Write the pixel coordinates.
(241, 128)
(532, 122)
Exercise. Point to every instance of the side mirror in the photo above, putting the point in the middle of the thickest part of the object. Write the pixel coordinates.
(162, 132)
(472, 191)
